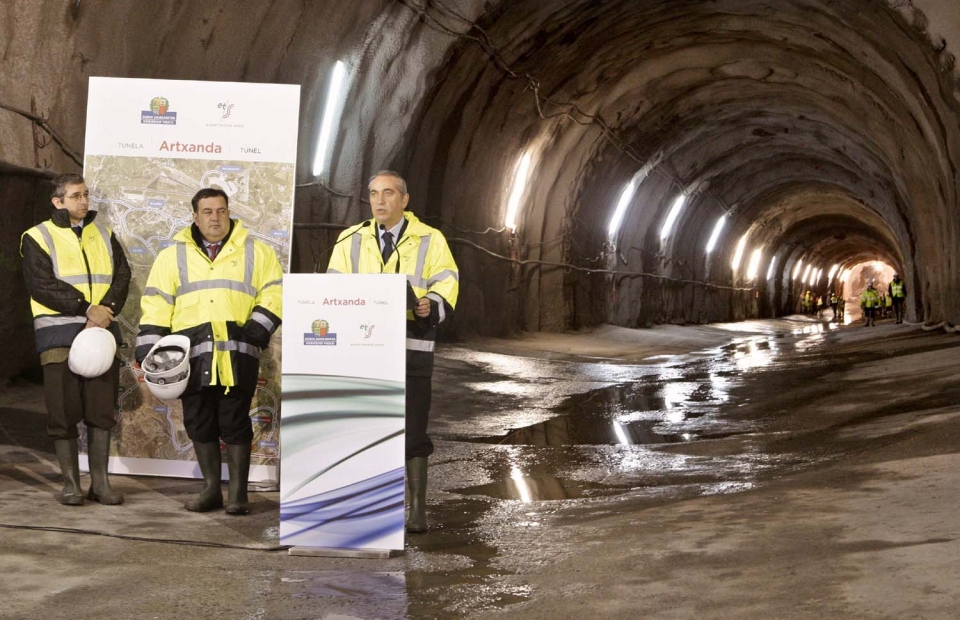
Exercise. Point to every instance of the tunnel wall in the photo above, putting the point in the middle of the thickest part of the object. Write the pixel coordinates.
(25, 194)
(757, 107)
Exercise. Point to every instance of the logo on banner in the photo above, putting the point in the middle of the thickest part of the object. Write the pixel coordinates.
(367, 341)
(320, 335)
(159, 113)
(225, 109)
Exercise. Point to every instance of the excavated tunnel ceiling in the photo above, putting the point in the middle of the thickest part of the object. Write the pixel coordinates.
(826, 130)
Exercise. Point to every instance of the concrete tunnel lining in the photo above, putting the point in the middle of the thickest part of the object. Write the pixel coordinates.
(734, 95)
(878, 145)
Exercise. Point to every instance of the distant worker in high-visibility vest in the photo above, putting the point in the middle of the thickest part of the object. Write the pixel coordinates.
(897, 292)
(399, 242)
(833, 304)
(870, 302)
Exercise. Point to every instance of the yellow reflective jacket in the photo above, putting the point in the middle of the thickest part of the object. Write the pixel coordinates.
(228, 307)
(870, 298)
(71, 273)
(423, 255)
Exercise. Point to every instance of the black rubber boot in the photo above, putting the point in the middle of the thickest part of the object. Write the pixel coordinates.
(98, 454)
(211, 497)
(68, 453)
(238, 462)
(417, 481)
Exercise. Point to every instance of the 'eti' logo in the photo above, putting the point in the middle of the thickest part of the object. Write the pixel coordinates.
(226, 108)
(159, 113)
(367, 330)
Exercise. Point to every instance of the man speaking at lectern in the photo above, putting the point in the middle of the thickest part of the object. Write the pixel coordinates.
(399, 242)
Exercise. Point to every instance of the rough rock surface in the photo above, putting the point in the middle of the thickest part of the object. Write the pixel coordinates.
(828, 131)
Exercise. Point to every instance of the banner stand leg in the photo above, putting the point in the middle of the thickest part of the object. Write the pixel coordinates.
(333, 552)
(264, 486)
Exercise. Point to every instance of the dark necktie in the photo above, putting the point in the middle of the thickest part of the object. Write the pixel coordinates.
(387, 246)
(212, 250)
(78, 230)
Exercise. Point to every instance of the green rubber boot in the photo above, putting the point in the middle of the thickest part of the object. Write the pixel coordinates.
(417, 481)
(211, 497)
(68, 453)
(98, 454)
(238, 462)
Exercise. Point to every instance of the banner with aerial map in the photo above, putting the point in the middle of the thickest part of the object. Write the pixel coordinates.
(150, 145)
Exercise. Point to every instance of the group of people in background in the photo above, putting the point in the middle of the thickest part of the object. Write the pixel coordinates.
(816, 304)
(873, 303)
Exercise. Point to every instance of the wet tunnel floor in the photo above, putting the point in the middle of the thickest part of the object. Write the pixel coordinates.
(627, 427)
(551, 441)
(531, 451)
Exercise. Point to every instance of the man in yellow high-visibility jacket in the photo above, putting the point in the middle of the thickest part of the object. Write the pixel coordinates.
(897, 292)
(400, 243)
(870, 302)
(78, 277)
(221, 288)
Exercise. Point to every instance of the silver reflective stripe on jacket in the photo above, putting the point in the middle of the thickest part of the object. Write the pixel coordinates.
(152, 291)
(263, 320)
(422, 256)
(148, 340)
(203, 285)
(229, 345)
(57, 321)
(355, 253)
(414, 344)
(443, 275)
(440, 305)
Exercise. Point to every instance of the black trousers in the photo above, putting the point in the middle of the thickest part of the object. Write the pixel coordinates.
(71, 399)
(211, 413)
(419, 393)
(898, 308)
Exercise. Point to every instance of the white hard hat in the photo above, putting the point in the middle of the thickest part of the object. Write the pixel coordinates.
(166, 368)
(92, 352)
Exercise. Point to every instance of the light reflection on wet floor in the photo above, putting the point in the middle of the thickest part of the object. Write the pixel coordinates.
(648, 411)
(585, 431)
(536, 489)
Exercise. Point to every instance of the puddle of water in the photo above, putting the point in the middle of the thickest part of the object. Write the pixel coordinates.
(629, 414)
(573, 431)
(536, 489)
(329, 584)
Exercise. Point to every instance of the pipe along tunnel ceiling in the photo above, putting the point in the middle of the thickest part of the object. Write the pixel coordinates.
(824, 132)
